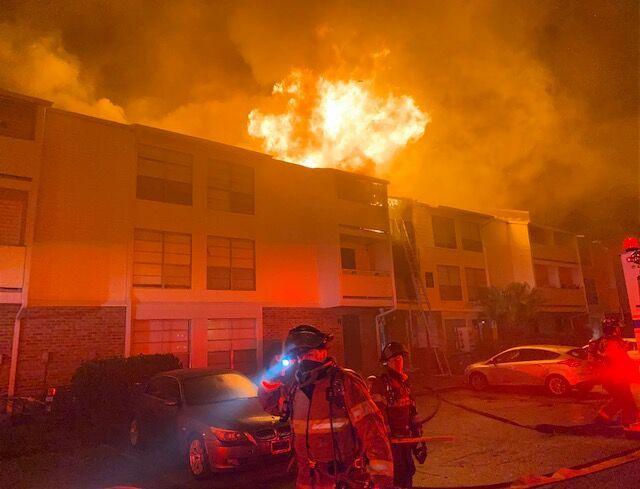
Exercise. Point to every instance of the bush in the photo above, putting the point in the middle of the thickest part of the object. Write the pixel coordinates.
(103, 389)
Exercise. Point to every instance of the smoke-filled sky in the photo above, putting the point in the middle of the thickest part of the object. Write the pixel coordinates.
(530, 104)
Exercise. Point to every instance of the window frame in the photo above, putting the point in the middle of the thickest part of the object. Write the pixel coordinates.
(438, 224)
(231, 268)
(233, 170)
(163, 264)
(162, 182)
(477, 293)
(429, 280)
(445, 296)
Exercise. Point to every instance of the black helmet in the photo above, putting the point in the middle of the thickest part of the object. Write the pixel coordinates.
(391, 350)
(304, 338)
(609, 324)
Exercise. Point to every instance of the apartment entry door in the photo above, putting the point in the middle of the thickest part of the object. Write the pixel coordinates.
(352, 342)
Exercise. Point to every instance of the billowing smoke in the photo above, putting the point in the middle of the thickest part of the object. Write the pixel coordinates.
(530, 104)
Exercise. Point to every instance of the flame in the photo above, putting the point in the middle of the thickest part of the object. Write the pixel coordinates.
(336, 123)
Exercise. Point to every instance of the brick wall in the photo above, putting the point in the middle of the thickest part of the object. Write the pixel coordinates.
(7, 319)
(277, 321)
(70, 335)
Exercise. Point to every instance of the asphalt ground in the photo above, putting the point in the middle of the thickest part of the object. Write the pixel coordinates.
(486, 450)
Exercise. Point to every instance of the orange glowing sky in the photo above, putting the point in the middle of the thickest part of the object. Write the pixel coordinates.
(529, 104)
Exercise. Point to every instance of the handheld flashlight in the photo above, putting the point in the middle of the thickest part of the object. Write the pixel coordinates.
(286, 362)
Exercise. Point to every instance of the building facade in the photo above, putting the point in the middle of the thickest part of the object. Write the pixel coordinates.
(123, 239)
(461, 253)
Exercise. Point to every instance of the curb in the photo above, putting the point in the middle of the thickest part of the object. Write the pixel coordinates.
(560, 475)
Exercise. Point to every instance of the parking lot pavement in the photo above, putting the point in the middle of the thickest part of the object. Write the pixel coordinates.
(488, 451)
(484, 450)
(108, 466)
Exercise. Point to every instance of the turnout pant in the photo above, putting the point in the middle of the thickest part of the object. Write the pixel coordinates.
(403, 466)
(621, 401)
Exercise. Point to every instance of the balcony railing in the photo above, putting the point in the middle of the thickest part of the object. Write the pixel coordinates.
(571, 297)
(368, 285)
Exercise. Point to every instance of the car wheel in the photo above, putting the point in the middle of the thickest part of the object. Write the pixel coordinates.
(557, 385)
(136, 436)
(478, 381)
(197, 458)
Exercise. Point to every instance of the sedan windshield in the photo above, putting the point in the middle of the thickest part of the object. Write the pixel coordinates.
(212, 388)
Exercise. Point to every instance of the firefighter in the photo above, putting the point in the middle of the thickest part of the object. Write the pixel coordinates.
(392, 394)
(339, 436)
(616, 371)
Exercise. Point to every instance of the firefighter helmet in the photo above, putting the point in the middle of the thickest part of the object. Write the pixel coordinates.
(391, 350)
(304, 338)
(609, 324)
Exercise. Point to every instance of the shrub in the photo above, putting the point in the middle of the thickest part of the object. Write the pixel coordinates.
(103, 388)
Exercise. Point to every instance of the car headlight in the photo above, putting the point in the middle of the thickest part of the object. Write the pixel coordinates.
(228, 435)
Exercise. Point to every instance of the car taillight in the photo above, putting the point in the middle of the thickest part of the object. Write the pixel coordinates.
(570, 363)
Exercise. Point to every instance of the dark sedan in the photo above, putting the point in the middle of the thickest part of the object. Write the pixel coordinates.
(215, 417)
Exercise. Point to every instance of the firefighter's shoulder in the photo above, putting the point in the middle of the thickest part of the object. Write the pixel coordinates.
(354, 377)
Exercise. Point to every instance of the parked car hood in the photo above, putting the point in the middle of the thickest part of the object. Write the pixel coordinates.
(238, 414)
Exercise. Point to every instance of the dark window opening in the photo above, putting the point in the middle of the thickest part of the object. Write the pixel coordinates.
(428, 280)
(444, 232)
(17, 119)
(348, 258)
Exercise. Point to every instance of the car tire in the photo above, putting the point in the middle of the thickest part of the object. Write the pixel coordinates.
(557, 386)
(197, 458)
(478, 381)
(137, 438)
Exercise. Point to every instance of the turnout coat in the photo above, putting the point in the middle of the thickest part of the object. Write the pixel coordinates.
(338, 432)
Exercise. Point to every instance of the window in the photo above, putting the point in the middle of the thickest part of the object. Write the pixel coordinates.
(361, 190)
(168, 389)
(13, 216)
(230, 187)
(444, 232)
(541, 273)
(161, 259)
(470, 236)
(562, 239)
(211, 388)
(17, 119)
(540, 236)
(164, 175)
(534, 355)
(591, 290)
(476, 283)
(348, 258)
(449, 282)
(162, 336)
(230, 264)
(428, 280)
(231, 343)
(507, 356)
(567, 280)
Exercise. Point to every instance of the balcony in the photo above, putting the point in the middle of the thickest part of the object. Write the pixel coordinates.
(12, 267)
(366, 288)
(561, 299)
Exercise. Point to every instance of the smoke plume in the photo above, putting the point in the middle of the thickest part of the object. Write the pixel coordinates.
(531, 105)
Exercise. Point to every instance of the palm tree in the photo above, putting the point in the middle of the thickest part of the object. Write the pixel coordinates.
(514, 308)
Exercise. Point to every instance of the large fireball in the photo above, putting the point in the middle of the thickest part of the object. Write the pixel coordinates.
(336, 123)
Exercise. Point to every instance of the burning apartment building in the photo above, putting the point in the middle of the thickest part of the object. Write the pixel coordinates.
(120, 239)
